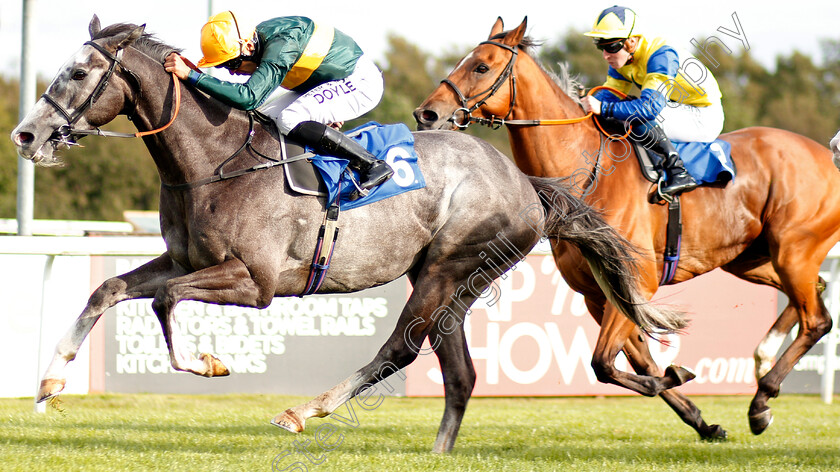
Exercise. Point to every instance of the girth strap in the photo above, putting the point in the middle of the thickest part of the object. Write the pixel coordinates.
(673, 235)
(327, 236)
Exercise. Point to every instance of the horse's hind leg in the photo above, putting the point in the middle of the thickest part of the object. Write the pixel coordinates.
(435, 306)
(638, 354)
(458, 383)
(748, 268)
(801, 282)
(765, 352)
(142, 282)
(766, 274)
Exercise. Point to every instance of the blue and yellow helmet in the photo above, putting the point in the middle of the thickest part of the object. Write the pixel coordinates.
(614, 22)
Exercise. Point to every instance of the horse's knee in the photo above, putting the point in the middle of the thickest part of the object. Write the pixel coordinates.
(108, 293)
(603, 370)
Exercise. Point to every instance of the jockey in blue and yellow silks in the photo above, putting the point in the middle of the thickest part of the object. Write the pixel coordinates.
(304, 75)
(688, 111)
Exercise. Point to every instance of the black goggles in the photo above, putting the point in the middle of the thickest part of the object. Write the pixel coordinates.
(611, 46)
(232, 64)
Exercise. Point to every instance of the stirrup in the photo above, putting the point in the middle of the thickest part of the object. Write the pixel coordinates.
(662, 195)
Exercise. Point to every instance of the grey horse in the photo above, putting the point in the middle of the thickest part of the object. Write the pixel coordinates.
(246, 240)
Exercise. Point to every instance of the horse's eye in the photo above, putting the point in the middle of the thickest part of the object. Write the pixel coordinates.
(481, 68)
(79, 74)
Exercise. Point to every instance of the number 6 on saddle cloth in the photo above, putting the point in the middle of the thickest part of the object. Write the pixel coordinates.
(334, 180)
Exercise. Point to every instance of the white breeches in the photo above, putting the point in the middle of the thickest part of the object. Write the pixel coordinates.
(330, 102)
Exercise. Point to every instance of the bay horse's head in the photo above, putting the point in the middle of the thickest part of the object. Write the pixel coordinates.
(90, 90)
(481, 84)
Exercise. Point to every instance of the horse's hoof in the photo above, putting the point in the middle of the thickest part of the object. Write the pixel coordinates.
(715, 433)
(679, 374)
(215, 368)
(760, 421)
(50, 388)
(289, 421)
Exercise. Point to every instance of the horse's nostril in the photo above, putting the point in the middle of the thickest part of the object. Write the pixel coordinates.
(24, 138)
(428, 116)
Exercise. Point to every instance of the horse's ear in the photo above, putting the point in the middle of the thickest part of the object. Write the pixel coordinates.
(94, 28)
(135, 34)
(498, 27)
(514, 37)
(124, 40)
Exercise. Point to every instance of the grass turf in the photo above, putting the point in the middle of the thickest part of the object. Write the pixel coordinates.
(231, 433)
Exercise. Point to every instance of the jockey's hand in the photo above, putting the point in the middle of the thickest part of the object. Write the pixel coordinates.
(175, 63)
(336, 125)
(591, 104)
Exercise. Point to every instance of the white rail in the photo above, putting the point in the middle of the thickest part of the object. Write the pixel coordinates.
(831, 339)
(52, 246)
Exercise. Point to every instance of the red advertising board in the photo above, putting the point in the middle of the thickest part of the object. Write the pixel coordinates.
(532, 336)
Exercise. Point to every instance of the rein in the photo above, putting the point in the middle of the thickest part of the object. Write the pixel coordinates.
(496, 122)
(66, 133)
(220, 174)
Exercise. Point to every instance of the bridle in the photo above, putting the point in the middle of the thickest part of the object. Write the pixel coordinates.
(496, 122)
(67, 134)
(486, 94)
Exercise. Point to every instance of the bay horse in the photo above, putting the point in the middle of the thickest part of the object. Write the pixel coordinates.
(245, 240)
(773, 225)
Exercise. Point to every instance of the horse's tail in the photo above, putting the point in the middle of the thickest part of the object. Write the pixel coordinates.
(610, 255)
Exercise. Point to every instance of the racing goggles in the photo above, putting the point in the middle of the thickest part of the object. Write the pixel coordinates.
(611, 45)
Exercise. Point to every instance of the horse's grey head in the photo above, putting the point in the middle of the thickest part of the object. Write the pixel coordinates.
(88, 91)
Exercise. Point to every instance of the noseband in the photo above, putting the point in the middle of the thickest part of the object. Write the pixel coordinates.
(486, 94)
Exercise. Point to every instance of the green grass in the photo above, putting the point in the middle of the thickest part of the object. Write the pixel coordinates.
(231, 433)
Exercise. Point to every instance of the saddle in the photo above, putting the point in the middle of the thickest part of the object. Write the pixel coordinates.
(650, 163)
(301, 174)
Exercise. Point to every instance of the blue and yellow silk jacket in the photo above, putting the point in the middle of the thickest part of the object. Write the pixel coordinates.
(663, 75)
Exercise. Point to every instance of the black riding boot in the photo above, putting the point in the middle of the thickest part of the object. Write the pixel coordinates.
(679, 180)
(325, 140)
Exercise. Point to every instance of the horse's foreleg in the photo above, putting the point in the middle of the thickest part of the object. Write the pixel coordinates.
(814, 323)
(228, 283)
(142, 282)
(615, 331)
(638, 354)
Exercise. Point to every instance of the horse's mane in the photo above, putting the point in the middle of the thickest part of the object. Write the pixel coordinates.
(567, 83)
(146, 44)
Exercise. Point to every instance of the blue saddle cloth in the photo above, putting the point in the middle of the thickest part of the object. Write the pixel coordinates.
(393, 143)
(707, 162)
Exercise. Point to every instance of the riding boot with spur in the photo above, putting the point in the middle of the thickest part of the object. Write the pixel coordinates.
(325, 140)
(679, 180)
